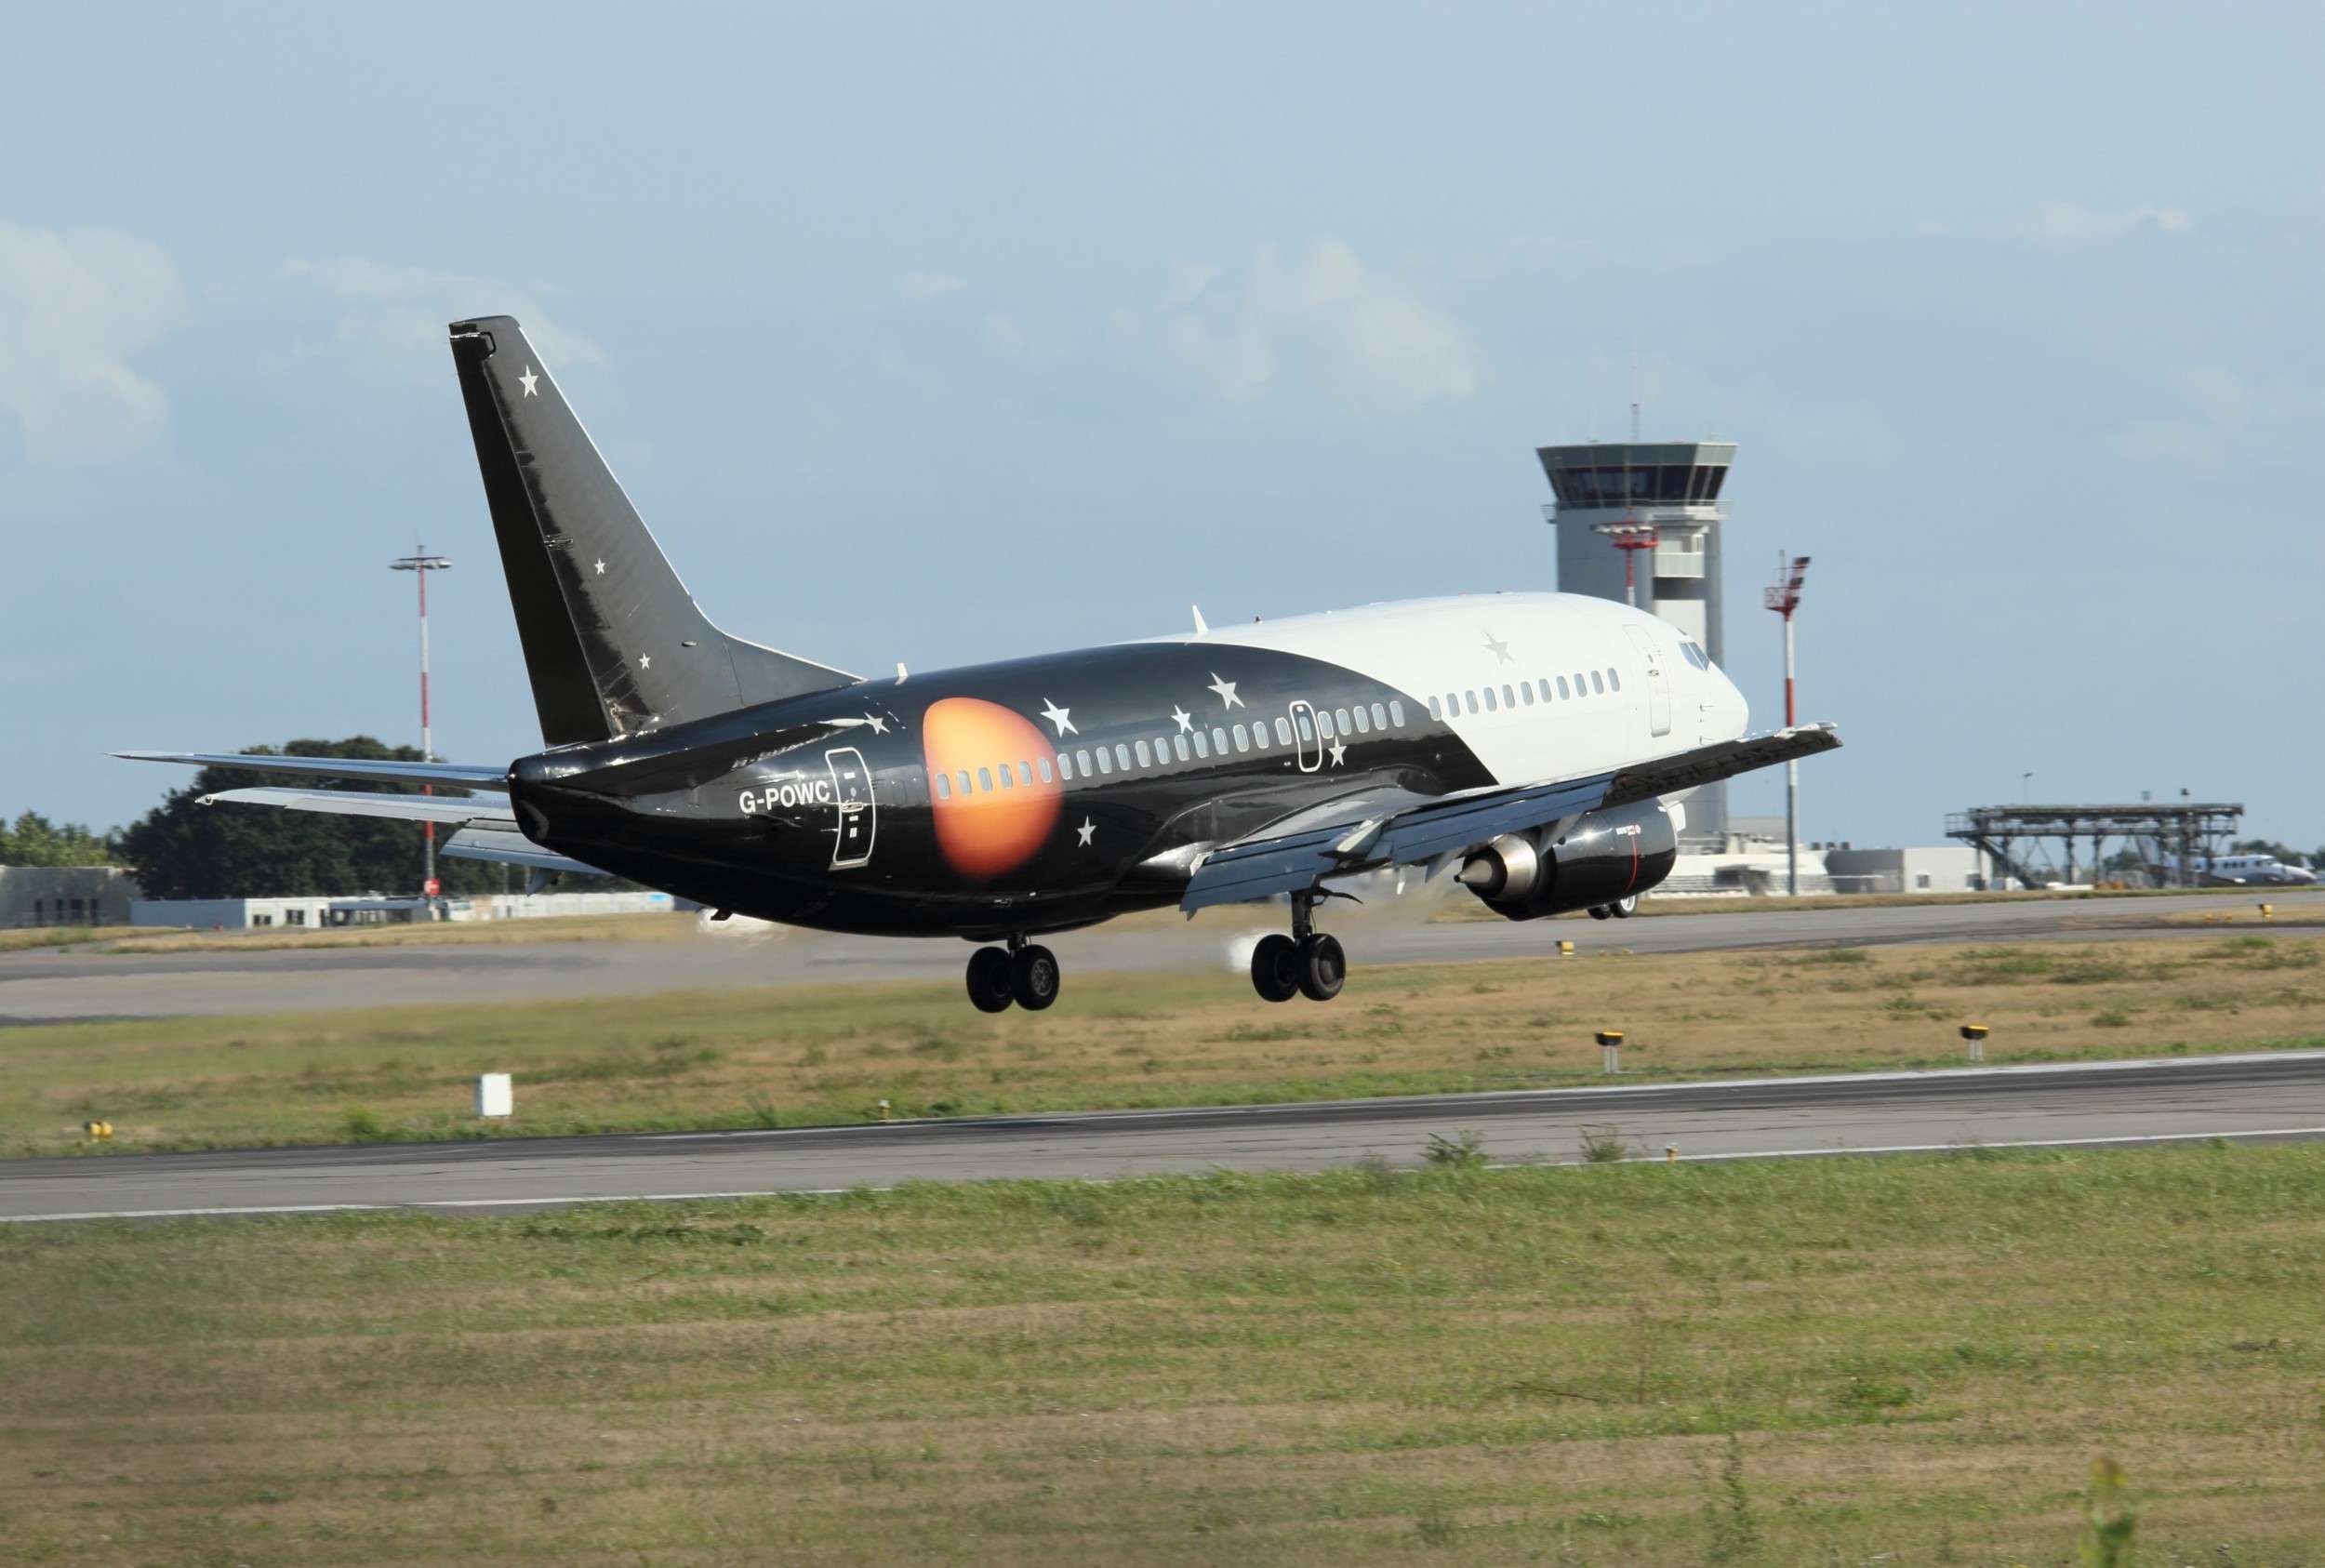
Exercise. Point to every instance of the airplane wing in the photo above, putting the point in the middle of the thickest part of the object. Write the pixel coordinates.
(486, 828)
(1367, 836)
(455, 776)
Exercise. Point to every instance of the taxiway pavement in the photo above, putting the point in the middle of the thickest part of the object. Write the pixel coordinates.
(2248, 1096)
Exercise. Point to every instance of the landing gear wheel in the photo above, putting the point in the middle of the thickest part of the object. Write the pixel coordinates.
(1599, 912)
(1275, 968)
(1623, 909)
(1323, 967)
(1033, 977)
(991, 974)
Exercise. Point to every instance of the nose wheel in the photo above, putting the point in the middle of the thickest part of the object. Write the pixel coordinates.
(1023, 974)
(1305, 964)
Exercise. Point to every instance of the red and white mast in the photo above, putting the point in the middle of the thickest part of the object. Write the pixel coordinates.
(419, 563)
(1783, 597)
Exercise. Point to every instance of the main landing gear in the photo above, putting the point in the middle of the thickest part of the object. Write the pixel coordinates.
(1307, 962)
(1024, 972)
(1622, 909)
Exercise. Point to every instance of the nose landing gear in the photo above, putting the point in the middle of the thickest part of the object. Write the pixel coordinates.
(1307, 962)
(1023, 972)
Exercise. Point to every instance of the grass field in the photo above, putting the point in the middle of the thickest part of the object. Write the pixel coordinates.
(1903, 1361)
(806, 1055)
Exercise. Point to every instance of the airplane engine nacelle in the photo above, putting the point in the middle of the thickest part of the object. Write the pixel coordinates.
(1605, 856)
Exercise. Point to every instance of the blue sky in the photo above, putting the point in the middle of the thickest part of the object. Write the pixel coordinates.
(938, 336)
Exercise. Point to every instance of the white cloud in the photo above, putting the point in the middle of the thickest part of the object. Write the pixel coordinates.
(405, 310)
(1324, 319)
(74, 306)
(930, 285)
(2072, 223)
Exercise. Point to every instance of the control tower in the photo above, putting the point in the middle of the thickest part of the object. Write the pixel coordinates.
(1672, 487)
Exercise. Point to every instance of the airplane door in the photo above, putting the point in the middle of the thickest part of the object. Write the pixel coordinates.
(1658, 680)
(859, 816)
(1309, 744)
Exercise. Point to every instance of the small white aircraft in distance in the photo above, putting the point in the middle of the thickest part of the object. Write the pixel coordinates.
(2251, 871)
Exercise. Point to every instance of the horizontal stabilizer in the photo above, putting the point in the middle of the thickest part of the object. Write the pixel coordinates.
(453, 776)
(478, 842)
(355, 802)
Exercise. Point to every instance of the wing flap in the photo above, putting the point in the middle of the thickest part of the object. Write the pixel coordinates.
(457, 775)
(479, 842)
(357, 802)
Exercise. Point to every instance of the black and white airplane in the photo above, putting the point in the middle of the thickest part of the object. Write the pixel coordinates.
(1541, 745)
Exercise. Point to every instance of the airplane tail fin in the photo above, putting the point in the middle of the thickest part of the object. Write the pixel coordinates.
(613, 641)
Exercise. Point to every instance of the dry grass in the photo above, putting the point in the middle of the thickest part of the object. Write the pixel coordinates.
(23, 938)
(1835, 1361)
(803, 1055)
(441, 934)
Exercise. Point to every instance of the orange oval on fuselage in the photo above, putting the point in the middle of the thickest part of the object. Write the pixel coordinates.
(989, 827)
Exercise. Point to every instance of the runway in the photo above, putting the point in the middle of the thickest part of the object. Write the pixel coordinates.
(47, 986)
(2250, 1096)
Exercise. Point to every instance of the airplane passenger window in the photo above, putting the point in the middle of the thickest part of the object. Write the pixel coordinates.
(1201, 748)
(1509, 698)
(1453, 704)
(1525, 690)
(1006, 782)
(1491, 705)
(944, 787)
(1396, 714)
(1162, 750)
(1122, 755)
(1218, 741)
(1596, 684)
(985, 780)
(1243, 739)
(1613, 679)
(1259, 732)
(1283, 732)
(1380, 716)
(1024, 772)
(1545, 684)
(1340, 717)
(1323, 722)
(1145, 758)
(1582, 687)
(1178, 743)
(1308, 727)
(1082, 763)
(1561, 688)
(1106, 764)
(1435, 712)
(1047, 778)
(1472, 697)
(1364, 721)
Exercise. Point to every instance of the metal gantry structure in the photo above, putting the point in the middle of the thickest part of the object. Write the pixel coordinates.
(2168, 837)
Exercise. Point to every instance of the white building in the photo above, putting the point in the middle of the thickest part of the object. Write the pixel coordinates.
(316, 913)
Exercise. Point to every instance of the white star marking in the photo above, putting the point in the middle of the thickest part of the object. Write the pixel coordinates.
(601, 567)
(1499, 649)
(1061, 717)
(1085, 832)
(1186, 720)
(647, 663)
(1226, 690)
(879, 724)
(1339, 753)
(526, 381)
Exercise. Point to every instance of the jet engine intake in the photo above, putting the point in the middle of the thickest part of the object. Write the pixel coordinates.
(1606, 856)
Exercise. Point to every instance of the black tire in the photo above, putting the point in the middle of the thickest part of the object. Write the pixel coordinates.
(1623, 909)
(1599, 912)
(1033, 977)
(1323, 967)
(989, 976)
(1275, 968)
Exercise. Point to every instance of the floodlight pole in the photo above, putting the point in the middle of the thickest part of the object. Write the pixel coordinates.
(419, 563)
(1630, 539)
(1783, 597)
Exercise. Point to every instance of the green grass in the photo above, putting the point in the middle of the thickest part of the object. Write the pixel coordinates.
(1909, 1361)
